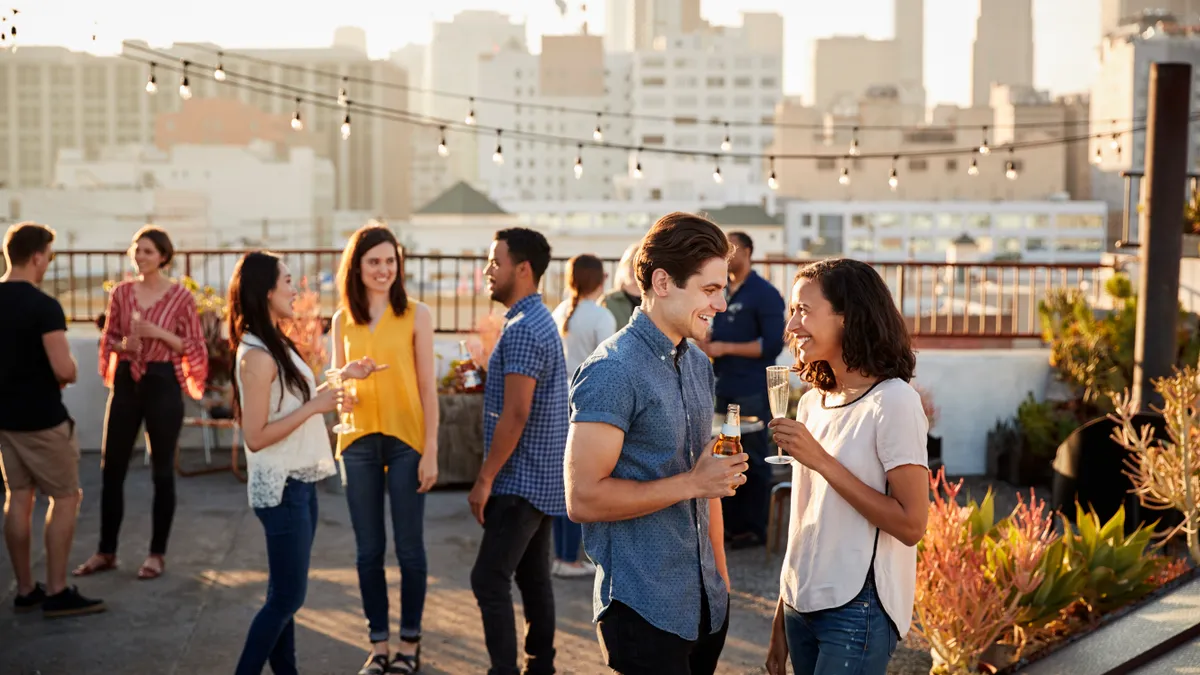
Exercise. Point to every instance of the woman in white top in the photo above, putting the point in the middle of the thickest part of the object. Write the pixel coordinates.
(860, 486)
(584, 324)
(281, 415)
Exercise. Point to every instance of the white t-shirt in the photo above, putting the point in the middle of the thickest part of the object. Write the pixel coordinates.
(829, 542)
(591, 324)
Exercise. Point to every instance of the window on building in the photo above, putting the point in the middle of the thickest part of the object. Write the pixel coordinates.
(769, 83)
(743, 82)
(922, 222)
(1081, 244)
(1009, 221)
(715, 81)
(951, 165)
(827, 164)
(918, 164)
(653, 82)
(656, 139)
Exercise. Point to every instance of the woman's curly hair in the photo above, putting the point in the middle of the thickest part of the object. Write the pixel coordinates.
(875, 340)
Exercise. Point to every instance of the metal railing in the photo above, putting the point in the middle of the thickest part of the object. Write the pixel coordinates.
(961, 300)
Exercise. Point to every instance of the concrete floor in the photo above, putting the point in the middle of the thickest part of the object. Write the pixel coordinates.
(194, 618)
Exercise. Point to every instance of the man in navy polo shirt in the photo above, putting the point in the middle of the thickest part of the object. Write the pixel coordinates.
(746, 338)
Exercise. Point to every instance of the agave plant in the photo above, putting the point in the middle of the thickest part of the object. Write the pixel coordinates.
(1117, 568)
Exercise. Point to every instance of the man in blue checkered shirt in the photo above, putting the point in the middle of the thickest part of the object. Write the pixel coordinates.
(520, 485)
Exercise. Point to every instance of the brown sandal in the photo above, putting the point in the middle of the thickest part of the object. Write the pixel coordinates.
(149, 571)
(99, 562)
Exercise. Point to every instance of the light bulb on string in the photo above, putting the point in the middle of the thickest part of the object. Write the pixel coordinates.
(854, 143)
(717, 177)
(152, 81)
(844, 179)
(579, 163)
(346, 127)
(637, 164)
(297, 124)
(219, 71)
(984, 148)
(498, 155)
(343, 95)
(471, 112)
(443, 150)
(1098, 157)
(973, 170)
(1115, 143)
(772, 180)
(894, 176)
(1010, 167)
(185, 91)
(727, 143)
(598, 133)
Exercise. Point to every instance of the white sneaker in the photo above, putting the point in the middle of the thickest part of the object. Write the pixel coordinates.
(579, 570)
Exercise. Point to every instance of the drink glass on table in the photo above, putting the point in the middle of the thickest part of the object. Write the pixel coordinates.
(779, 390)
(346, 420)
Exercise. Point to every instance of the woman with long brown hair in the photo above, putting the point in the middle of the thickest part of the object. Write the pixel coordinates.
(584, 324)
(151, 351)
(392, 452)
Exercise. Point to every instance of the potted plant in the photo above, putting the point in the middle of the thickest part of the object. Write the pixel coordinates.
(212, 309)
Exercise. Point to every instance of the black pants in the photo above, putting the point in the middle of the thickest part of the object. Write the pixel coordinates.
(746, 511)
(632, 646)
(158, 401)
(516, 545)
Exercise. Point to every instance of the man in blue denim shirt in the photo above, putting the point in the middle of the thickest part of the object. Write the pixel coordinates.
(520, 485)
(640, 471)
(746, 339)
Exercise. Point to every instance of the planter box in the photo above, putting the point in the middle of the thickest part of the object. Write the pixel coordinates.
(460, 438)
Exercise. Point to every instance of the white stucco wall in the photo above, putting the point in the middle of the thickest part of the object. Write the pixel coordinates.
(971, 388)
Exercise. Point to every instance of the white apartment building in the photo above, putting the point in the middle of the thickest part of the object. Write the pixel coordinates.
(65, 100)
(1026, 231)
(696, 83)
(250, 196)
(572, 73)
(1115, 13)
(452, 65)
(1003, 49)
(631, 25)
(1121, 94)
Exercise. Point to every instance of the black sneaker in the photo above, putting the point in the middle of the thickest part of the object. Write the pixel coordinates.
(31, 600)
(70, 603)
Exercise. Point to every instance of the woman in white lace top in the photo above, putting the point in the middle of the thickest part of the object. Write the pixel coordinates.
(281, 411)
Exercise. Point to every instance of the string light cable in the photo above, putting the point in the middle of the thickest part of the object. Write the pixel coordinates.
(473, 99)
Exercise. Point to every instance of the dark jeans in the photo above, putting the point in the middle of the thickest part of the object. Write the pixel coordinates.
(158, 401)
(516, 545)
(374, 465)
(568, 535)
(746, 511)
(854, 638)
(633, 646)
(290, 528)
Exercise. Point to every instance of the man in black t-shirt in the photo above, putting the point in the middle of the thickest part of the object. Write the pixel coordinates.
(38, 447)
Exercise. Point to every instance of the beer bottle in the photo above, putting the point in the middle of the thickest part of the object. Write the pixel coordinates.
(470, 380)
(729, 443)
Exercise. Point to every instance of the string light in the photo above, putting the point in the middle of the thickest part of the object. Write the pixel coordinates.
(844, 179)
(717, 177)
(152, 81)
(297, 125)
(579, 162)
(637, 164)
(1010, 167)
(598, 134)
(1115, 143)
(1098, 157)
(498, 155)
(983, 147)
(343, 95)
(854, 143)
(973, 170)
(219, 71)
(443, 149)
(772, 181)
(346, 125)
(894, 176)
(471, 113)
(727, 144)
(185, 91)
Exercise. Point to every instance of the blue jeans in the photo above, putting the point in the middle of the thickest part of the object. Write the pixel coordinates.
(289, 527)
(568, 535)
(854, 639)
(374, 465)
(746, 511)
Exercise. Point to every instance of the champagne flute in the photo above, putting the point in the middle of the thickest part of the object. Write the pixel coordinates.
(779, 389)
(346, 424)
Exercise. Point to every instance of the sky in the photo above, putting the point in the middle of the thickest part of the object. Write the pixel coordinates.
(1067, 31)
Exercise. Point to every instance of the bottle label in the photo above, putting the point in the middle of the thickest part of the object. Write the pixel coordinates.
(728, 429)
(471, 379)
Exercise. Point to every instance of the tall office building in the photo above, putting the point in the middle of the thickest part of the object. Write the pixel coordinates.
(910, 48)
(1003, 48)
(636, 24)
(1114, 12)
(845, 67)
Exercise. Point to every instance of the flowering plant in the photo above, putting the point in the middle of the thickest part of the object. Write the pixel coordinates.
(306, 328)
(212, 310)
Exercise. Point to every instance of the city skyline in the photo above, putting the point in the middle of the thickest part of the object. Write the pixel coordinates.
(1065, 30)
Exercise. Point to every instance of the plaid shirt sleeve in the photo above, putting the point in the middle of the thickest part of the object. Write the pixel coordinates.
(523, 353)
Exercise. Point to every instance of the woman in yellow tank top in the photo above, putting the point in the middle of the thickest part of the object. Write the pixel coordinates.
(394, 448)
